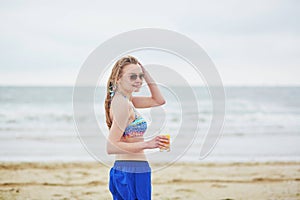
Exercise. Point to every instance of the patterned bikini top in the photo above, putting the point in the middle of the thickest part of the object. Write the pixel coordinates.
(137, 127)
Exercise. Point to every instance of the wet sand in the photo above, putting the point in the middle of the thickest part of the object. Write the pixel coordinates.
(276, 180)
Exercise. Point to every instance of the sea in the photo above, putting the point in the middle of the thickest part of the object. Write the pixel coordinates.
(261, 124)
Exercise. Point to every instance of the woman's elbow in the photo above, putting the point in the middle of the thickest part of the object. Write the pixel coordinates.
(109, 149)
(161, 102)
(109, 152)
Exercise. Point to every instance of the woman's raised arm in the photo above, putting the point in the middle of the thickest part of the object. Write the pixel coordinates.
(156, 98)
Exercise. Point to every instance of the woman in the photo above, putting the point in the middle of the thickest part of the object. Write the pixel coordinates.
(130, 177)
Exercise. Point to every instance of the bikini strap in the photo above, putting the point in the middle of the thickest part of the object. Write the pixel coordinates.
(134, 110)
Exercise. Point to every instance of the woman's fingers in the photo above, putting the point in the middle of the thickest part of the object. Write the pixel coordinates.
(162, 141)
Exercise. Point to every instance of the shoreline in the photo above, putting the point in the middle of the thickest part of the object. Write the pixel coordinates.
(184, 180)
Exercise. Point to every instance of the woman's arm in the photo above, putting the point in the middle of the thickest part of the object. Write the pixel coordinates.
(156, 98)
(115, 144)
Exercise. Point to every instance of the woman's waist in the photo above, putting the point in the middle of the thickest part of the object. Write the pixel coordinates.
(134, 157)
(132, 139)
(132, 166)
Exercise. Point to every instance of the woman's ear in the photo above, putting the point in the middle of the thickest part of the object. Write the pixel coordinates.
(118, 81)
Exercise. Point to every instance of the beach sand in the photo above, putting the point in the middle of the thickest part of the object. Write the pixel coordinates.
(278, 180)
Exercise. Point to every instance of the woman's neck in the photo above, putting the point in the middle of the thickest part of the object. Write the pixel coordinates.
(126, 95)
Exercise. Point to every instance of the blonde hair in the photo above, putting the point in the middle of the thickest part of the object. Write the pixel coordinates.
(116, 73)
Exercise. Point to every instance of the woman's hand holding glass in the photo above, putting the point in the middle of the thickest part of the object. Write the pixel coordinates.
(160, 141)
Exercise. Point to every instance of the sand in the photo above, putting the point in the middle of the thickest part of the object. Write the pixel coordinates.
(278, 180)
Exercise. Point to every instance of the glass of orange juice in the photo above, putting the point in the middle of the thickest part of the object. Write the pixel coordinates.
(168, 143)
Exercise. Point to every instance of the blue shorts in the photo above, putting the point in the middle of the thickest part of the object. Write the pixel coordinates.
(130, 180)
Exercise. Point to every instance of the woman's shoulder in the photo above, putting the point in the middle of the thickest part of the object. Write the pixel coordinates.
(119, 109)
(120, 103)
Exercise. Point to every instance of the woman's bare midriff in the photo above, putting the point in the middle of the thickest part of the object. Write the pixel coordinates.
(132, 156)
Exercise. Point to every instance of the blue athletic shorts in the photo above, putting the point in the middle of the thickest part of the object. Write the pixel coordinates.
(130, 180)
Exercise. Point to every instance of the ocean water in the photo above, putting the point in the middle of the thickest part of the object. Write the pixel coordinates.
(261, 123)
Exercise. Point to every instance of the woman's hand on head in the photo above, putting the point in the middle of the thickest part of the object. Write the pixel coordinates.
(143, 69)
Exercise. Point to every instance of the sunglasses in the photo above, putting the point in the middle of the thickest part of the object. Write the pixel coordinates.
(133, 77)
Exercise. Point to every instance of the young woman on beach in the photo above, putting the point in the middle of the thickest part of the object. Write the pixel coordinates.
(130, 177)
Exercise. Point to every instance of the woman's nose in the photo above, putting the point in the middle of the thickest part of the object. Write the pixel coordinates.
(139, 79)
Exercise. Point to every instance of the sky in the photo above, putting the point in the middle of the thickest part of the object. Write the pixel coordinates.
(253, 42)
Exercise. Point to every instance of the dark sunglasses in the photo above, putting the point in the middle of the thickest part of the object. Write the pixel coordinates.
(133, 77)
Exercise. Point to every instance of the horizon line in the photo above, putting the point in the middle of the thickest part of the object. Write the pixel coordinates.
(225, 85)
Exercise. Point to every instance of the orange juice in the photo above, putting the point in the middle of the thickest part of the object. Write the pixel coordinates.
(168, 143)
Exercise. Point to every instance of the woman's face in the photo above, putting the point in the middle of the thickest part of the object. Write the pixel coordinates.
(132, 78)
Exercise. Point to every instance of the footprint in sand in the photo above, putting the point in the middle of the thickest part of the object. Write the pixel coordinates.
(185, 190)
(218, 185)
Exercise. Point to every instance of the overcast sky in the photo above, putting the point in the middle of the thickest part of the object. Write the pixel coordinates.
(253, 42)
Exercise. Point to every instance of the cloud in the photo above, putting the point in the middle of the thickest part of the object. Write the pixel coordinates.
(242, 17)
(238, 35)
